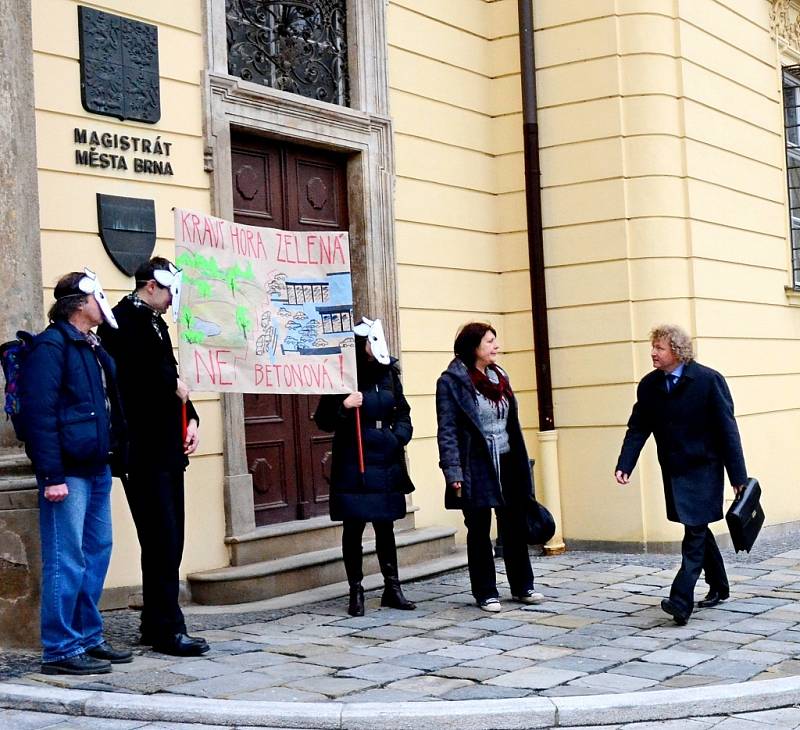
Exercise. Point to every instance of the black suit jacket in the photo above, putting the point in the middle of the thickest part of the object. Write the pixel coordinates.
(696, 437)
(147, 374)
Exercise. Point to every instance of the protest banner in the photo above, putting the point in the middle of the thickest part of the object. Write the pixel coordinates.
(264, 310)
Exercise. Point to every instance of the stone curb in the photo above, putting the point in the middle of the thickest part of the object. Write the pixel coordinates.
(509, 714)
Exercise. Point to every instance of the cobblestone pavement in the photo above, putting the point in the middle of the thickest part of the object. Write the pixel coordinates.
(20, 720)
(599, 631)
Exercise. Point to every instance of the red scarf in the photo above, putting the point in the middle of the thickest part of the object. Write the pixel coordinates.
(495, 392)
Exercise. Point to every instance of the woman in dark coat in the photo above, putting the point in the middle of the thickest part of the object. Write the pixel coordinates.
(485, 463)
(377, 495)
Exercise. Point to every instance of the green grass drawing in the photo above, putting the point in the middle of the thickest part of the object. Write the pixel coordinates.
(200, 273)
(243, 320)
(191, 335)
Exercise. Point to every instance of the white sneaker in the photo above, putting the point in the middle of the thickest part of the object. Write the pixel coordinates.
(492, 605)
(530, 598)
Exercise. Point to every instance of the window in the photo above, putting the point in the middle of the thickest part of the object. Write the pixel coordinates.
(293, 45)
(791, 117)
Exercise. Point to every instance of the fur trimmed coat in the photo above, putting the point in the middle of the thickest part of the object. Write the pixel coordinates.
(464, 452)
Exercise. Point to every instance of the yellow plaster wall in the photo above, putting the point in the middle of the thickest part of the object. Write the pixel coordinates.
(69, 218)
(664, 200)
(735, 162)
(461, 243)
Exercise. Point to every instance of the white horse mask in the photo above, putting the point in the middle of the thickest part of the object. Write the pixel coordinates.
(172, 279)
(372, 329)
(90, 284)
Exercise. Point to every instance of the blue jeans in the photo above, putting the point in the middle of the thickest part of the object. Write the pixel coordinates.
(76, 550)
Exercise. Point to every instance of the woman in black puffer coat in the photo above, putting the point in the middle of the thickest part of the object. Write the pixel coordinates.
(377, 495)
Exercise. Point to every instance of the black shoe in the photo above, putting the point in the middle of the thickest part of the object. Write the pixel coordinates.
(356, 605)
(714, 597)
(393, 596)
(108, 652)
(669, 607)
(80, 664)
(181, 645)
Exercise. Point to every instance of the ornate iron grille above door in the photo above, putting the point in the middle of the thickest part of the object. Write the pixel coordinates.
(290, 45)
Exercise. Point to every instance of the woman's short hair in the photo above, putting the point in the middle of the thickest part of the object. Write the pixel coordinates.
(69, 298)
(469, 339)
(679, 341)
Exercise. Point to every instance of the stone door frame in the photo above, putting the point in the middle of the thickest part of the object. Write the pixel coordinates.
(363, 131)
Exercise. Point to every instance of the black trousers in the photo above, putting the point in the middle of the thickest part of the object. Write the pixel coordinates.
(352, 533)
(157, 506)
(512, 528)
(699, 552)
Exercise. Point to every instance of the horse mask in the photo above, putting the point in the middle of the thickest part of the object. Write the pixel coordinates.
(90, 284)
(171, 279)
(372, 329)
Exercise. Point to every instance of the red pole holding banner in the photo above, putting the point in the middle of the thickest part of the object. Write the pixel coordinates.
(358, 441)
(184, 423)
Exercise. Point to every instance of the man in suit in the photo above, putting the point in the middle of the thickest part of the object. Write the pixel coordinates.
(689, 410)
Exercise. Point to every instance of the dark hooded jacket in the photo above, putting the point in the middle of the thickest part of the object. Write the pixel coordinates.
(464, 452)
(696, 438)
(378, 494)
(69, 428)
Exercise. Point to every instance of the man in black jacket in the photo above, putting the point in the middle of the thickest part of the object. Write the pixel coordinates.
(689, 410)
(154, 398)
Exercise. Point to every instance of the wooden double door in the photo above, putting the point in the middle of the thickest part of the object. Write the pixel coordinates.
(293, 188)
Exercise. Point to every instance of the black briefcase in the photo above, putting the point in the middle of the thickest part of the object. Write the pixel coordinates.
(745, 516)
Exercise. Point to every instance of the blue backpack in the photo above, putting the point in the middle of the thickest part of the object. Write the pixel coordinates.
(12, 359)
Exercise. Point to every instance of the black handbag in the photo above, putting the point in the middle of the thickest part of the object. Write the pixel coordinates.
(541, 525)
(745, 516)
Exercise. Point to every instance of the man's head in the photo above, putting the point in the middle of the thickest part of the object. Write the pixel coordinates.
(670, 346)
(150, 291)
(69, 299)
(80, 299)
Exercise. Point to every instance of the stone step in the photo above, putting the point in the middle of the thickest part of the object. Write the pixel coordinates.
(271, 578)
(292, 538)
(417, 571)
(13, 461)
(17, 483)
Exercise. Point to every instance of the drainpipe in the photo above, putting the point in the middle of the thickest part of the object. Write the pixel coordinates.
(550, 492)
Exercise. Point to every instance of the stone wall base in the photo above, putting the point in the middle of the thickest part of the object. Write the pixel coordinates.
(772, 532)
(20, 575)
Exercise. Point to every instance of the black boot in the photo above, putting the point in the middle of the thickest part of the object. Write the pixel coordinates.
(356, 605)
(352, 551)
(387, 558)
(393, 596)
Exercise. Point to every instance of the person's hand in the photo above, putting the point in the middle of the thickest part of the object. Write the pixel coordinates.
(354, 400)
(56, 492)
(182, 391)
(192, 440)
(622, 477)
(456, 487)
(738, 490)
